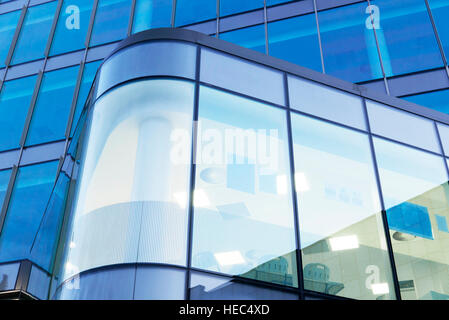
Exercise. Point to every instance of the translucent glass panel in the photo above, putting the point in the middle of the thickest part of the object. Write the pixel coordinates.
(73, 23)
(342, 236)
(15, 99)
(4, 181)
(39, 283)
(406, 39)
(443, 130)
(135, 173)
(245, 77)
(440, 12)
(326, 102)
(8, 276)
(349, 46)
(415, 191)
(208, 287)
(402, 126)
(288, 38)
(251, 37)
(243, 223)
(152, 14)
(8, 23)
(159, 283)
(228, 7)
(90, 69)
(34, 34)
(437, 100)
(30, 195)
(188, 11)
(111, 21)
(52, 108)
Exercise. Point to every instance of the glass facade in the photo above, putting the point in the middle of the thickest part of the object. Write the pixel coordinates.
(50, 52)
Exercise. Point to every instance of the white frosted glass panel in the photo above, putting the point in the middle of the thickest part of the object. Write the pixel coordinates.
(245, 77)
(444, 136)
(326, 102)
(402, 126)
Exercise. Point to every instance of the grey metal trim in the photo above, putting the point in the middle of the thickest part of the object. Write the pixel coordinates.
(274, 63)
(93, 13)
(265, 22)
(4, 210)
(31, 109)
(53, 28)
(16, 36)
(319, 36)
(131, 18)
(24, 275)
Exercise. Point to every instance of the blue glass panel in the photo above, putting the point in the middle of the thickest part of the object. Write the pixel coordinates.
(8, 23)
(38, 283)
(349, 47)
(152, 14)
(406, 39)
(287, 40)
(188, 11)
(8, 276)
(52, 108)
(274, 2)
(90, 69)
(73, 23)
(228, 7)
(15, 99)
(438, 100)
(441, 223)
(410, 218)
(251, 37)
(28, 201)
(440, 12)
(111, 21)
(34, 34)
(4, 180)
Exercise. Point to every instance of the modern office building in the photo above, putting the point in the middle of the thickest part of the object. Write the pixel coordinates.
(223, 149)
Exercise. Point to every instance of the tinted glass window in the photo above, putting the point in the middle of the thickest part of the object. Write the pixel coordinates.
(188, 11)
(440, 12)
(8, 23)
(152, 14)
(438, 100)
(4, 181)
(228, 7)
(251, 37)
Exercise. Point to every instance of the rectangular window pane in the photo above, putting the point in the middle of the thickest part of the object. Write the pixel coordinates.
(288, 38)
(243, 221)
(440, 12)
(52, 108)
(438, 100)
(39, 283)
(406, 39)
(188, 11)
(8, 23)
(402, 126)
(90, 69)
(349, 46)
(28, 201)
(15, 99)
(8, 276)
(415, 190)
(111, 21)
(326, 102)
(152, 14)
(341, 229)
(4, 181)
(34, 34)
(228, 7)
(73, 23)
(251, 37)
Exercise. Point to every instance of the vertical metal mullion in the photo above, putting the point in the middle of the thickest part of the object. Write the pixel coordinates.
(299, 269)
(440, 143)
(382, 204)
(7, 199)
(379, 53)
(131, 18)
(173, 14)
(217, 12)
(91, 24)
(53, 28)
(23, 276)
(265, 21)
(435, 31)
(193, 171)
(15, 37)
(319, 35)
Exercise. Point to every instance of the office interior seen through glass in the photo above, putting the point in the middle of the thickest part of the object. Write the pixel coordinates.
(337, 198)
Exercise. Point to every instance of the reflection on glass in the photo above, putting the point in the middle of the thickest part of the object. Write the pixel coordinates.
(136, 162)
(406, 38)
(34, 34)
(15, 99)
(349, 47)
(243, 221)
(288, 38)
(152, 14)
(73, 23)
(228, 7)
(111, 21)
(4, 181)
(251, 37)
(437, 100)
(188, 11)
(440, 12)
(8, 23)
(8, 276)
(52, 108)
(30, 195)
(342, 237)
(208, 287)
(416, 191)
